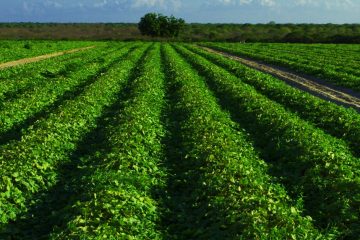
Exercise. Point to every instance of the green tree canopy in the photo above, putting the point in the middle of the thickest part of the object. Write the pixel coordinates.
(158, 25)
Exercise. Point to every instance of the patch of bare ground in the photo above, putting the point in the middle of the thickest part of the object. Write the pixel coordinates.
(310, 84)
(40, 58)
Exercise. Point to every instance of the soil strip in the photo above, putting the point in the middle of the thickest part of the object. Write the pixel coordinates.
(42, 57)
(315, 86)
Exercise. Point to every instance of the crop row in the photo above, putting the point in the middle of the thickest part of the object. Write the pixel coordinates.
(187, 145)
(326, 55)
(13, 50)
(314, 166)
(334, 59)
(17, 79)
(323, 50)
(23, 70)
(30, 165)
(345, 75)
(44, 94)
(119, 201)
(338, 121)
(226, 192)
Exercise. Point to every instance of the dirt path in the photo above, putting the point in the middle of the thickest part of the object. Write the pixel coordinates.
(42, 57)
(318, 87)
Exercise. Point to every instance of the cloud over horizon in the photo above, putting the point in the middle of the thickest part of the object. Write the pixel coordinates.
(238, 11)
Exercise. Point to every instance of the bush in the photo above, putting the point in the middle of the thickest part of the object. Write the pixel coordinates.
(27, 46)
(158, 25)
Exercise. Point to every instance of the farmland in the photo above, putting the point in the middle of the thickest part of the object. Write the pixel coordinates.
(13, 50)
(143, 140)
(338, 64)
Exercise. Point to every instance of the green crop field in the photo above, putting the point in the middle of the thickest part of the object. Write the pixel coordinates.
(14, 50)
(143, 140)
(337, 63)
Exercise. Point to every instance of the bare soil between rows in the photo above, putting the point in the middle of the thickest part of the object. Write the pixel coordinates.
(42, 57)
(315, 86)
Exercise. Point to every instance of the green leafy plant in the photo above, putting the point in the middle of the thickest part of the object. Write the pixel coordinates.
(329, 63)
(225, 184)
(30, 165)
(158, 25)
(311, 164)
(119, 203)
(334, 119)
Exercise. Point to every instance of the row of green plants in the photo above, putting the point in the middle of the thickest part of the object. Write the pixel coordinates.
(31, 164)
(222, 189)
(23, 77)
(306, 53)
(338, 121)
(344, 52)
(118, 199)
(42, 95)
(22, 69)
(328, 50)
(14, 50)
(317, 46)
(315, 167)
(334, 57)
(345, 74)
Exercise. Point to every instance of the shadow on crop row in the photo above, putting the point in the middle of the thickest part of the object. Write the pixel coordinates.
(17, 130)
(51, 210)
(184, 213)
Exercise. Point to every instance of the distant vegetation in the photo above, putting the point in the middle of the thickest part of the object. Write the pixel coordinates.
(271, 32)
(158, 25)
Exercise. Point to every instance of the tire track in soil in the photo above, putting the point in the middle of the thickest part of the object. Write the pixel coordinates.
(42, 57)
(314, 86)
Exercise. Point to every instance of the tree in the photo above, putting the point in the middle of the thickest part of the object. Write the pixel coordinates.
(149, 25)
(175, 25)
(158, 25)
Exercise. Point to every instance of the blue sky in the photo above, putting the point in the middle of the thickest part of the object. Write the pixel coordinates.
(212, 11)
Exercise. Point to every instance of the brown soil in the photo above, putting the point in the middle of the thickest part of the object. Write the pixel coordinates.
(39, 58)
(315, 86)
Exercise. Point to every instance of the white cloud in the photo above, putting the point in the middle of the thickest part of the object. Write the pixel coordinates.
(329, 4)
(268, 3)
(29, 7)
(190, 5)
(326, 3)
(164, 4)
(339, 3)
(235, 2)
(54, 4)
(183, 3)
(226, 2)
(100, 3)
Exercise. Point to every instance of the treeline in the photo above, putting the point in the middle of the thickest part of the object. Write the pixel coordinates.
(271, 32)
(69, 31)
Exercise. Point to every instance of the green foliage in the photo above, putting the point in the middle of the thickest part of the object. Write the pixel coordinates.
(140, 141)
(30, 165)
(311, 163)
(39, 92)
(294, 33)
(158, 25)
(325, 61)
(338, 121)
(226, 186)
(150, 25)
(27, 46)
(305, 33)
(119, 202)
(14, 50)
